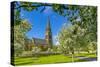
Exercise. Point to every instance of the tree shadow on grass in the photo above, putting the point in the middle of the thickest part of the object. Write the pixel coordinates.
(25, 63)
(87, 59)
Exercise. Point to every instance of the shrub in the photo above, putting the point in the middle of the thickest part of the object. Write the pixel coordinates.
(36, 51)
(26, 54)
(18, 48)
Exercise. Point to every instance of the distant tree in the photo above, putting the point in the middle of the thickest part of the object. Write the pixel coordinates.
(36, 51)
(19, 33)
(28, 44)
(18, 48)
(49, 50)
(67, 40)
(85, 17)
(73, 38)
(93, 47)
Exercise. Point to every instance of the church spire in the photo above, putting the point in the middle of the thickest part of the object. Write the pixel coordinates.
(48, 36)
(48, 23)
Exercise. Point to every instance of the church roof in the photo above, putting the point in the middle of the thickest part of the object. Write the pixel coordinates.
(38, 41)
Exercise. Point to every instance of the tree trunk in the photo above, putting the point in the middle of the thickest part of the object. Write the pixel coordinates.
(72, 57)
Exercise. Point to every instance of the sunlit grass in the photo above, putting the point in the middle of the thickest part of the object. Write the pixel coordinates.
(52, 59)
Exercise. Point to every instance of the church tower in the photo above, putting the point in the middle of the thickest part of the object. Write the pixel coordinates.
(48, 36)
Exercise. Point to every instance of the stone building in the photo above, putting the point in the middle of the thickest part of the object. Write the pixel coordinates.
(44, 43)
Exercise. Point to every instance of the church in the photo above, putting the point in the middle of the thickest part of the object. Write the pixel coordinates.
(44, 44)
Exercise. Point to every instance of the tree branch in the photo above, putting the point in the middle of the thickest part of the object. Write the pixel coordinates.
(33, 5)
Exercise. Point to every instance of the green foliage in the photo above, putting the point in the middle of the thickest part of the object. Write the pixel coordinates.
(29, 44)
(28, 6)
(93, 46)
(26, 54)
(49, 50)
(67, 39)
(19, 35)
(58, 8)
(83, 30)
(20, 30)
(36, 51)
(74, 38)
(18, 48)
(87, 19)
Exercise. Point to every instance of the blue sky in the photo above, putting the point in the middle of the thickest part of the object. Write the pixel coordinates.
(38, 20)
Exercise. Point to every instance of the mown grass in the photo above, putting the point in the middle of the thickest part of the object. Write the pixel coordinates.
(52, 59)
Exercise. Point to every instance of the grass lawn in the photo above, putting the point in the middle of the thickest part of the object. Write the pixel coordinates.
(49, 59)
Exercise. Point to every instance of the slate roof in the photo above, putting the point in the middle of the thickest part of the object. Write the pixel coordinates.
(38, 41)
